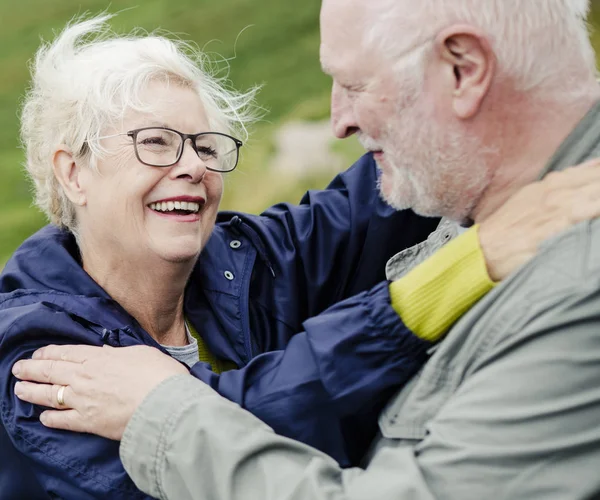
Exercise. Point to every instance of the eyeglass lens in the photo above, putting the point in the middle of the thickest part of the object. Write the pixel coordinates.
(162, 147)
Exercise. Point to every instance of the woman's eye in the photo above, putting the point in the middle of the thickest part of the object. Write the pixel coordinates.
(159, 141)
(206, 151)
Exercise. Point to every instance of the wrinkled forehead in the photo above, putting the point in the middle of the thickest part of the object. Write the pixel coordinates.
(352, 32)
(168, 103)
(343, 28)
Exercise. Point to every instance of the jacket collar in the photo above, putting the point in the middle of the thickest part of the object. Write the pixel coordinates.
(576, 148)
(47, 267)
(49, 260)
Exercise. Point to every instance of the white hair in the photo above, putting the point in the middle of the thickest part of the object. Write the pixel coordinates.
(89, 77)
(539, 44)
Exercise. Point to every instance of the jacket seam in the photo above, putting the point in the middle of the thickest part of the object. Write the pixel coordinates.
(8, 415)
(509, 329)
(34, 293)
(244, 297)
(160, 460)
(18, 433)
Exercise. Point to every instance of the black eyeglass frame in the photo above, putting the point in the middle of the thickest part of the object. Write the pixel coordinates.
(184, 137)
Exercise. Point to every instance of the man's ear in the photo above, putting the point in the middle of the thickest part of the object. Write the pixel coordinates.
(473, 65)
(68, 172)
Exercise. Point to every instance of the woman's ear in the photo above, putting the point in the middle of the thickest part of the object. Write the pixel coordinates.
(68, 173)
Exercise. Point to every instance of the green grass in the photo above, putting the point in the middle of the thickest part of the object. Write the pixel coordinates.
(277, 46)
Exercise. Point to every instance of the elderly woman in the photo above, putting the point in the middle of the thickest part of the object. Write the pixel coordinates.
(127, 140)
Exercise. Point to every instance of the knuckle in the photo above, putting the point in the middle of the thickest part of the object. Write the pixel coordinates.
(45, 352)
(64, 355)
(51, 369)
(47, 369)
(68, 424)
(553, 181)
(89, 410)
(530, 193)
(49, 395)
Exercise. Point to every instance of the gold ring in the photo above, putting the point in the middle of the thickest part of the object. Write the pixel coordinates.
(60, 395)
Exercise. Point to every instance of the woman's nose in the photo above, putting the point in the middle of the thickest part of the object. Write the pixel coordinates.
(190, 165)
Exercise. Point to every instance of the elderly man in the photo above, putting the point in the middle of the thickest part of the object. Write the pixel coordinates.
(462, 103)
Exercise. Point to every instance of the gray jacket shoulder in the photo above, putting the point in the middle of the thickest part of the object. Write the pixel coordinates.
(539, 295)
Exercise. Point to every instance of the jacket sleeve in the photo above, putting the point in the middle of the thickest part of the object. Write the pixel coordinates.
(65, 464)
(327, 387)
(336, 242)
(185, 442)
(523, 424)
(329, 384)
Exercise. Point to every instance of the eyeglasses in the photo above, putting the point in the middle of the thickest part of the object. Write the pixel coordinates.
(163, 147)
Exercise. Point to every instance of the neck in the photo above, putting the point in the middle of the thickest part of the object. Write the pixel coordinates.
(530, 139)
(152, 292)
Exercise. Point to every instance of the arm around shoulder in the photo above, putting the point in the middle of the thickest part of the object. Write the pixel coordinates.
(522, 424)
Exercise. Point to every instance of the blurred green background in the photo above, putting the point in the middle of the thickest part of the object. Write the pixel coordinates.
(277, 46)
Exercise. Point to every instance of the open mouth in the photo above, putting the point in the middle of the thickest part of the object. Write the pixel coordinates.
(176, 207)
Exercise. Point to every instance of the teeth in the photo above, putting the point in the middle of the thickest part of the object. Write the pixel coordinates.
(169, 206)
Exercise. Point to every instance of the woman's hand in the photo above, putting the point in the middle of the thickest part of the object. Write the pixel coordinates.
(512, 234)
(103, 386)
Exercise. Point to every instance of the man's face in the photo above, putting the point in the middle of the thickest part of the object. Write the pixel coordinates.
(427, 161)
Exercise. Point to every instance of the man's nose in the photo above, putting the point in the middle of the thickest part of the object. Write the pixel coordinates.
(343, 121)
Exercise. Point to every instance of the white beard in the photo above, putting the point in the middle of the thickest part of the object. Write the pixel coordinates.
(429, 167)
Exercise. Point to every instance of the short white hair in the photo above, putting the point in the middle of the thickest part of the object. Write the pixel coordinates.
(539, 44)
(89, 77)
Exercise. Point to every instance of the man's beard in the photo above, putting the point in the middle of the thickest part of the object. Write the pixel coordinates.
(429, 167)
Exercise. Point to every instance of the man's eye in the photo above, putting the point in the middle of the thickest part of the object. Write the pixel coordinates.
(353, 87)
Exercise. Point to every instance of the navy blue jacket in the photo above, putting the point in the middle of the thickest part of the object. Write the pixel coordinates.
(259, 282)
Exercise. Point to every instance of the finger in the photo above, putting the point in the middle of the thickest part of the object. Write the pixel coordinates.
(44, 394)
(577, 204)
(571, 199)
(574, 176)
(72, 353)
(589, 164)
(47, 371)
(69, 420)
(585, 211)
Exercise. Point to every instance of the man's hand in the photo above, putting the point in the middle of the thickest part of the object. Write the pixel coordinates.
(512, 235)
(103, 386)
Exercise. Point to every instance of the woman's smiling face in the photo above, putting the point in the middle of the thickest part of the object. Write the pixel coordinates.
(138, 212)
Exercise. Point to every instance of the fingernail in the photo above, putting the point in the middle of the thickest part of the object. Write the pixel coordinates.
(18, 389)
(37, 354)
(43, 418)
(16, 369)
